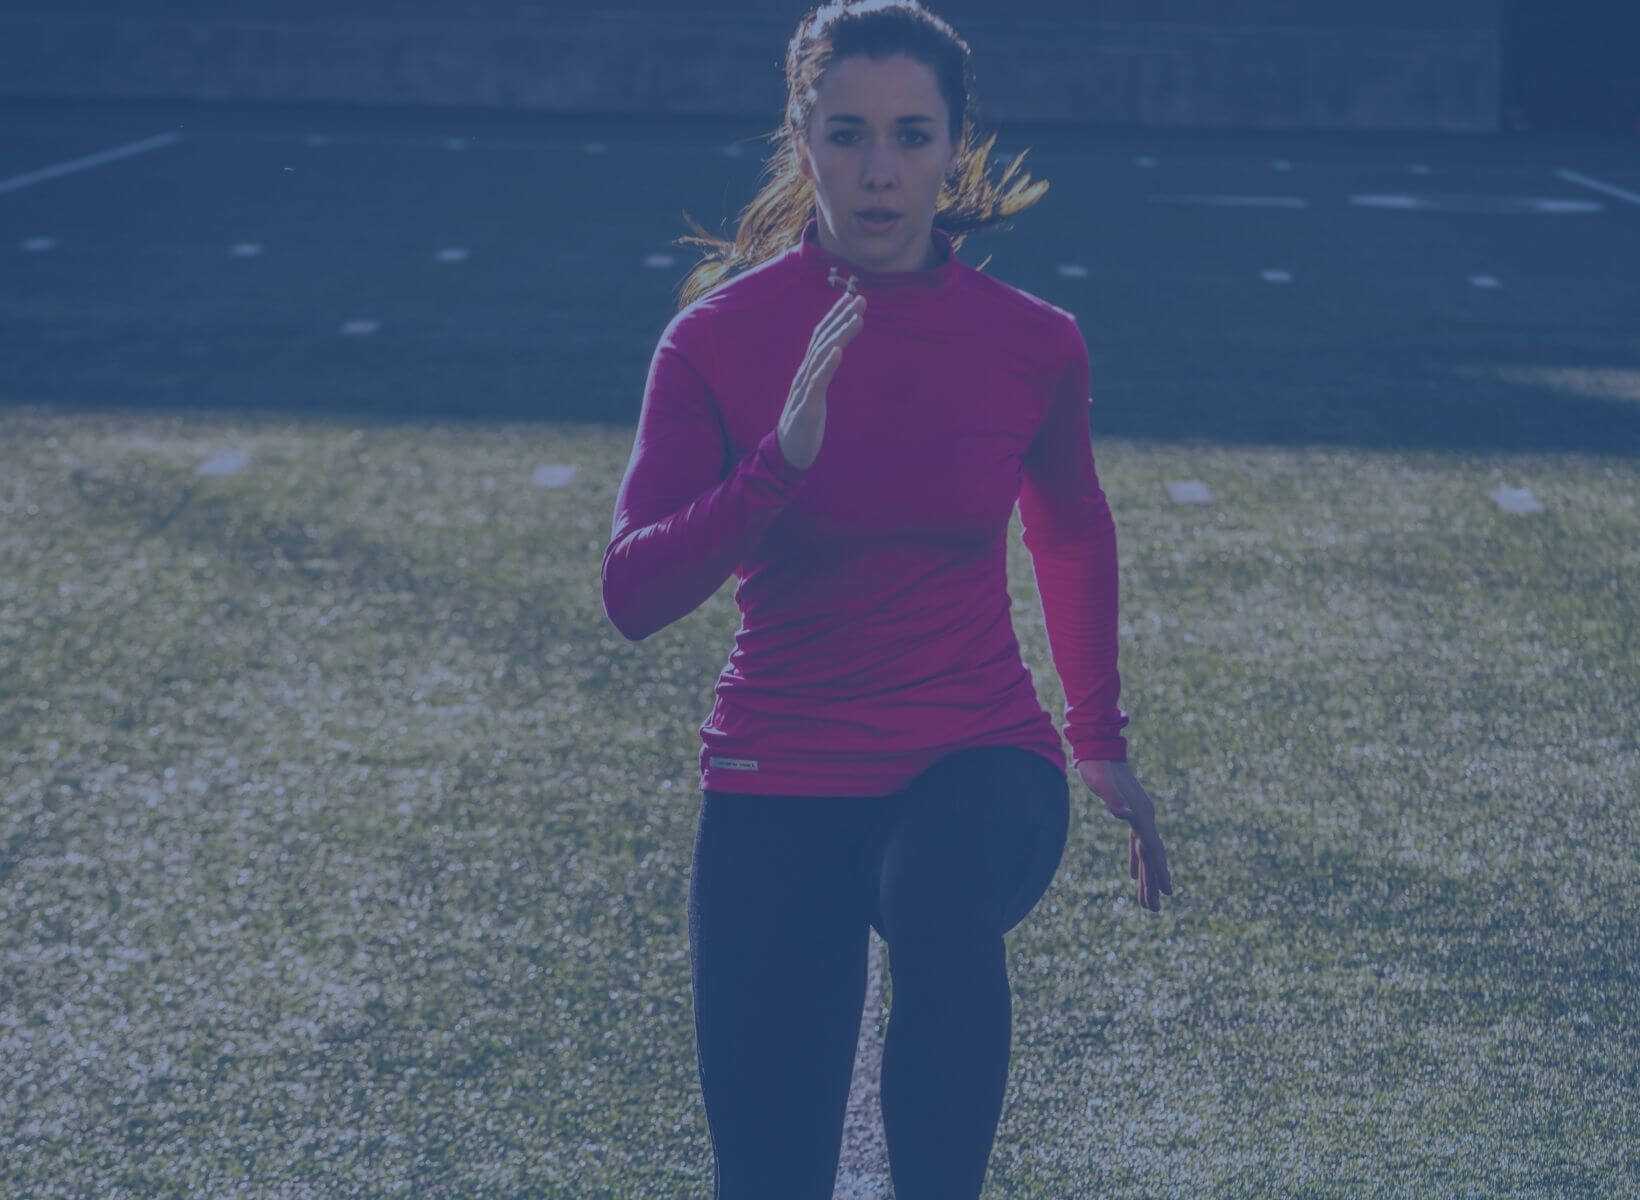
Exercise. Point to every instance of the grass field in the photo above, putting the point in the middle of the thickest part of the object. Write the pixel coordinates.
(346, 844)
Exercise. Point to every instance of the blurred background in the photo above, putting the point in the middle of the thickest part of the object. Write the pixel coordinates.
(1477, 65)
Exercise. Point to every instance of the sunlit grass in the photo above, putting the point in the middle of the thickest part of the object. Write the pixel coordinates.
(346, 844)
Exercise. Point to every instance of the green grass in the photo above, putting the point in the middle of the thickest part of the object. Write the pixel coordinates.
(346, 844)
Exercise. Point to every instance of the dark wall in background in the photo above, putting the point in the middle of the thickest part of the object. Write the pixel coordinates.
(1325, 64)
(1572, 64)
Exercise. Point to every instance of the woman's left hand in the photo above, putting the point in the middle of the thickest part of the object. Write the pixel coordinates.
(1113, 782)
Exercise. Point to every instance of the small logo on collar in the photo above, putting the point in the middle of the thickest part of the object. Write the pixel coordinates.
(836, 280)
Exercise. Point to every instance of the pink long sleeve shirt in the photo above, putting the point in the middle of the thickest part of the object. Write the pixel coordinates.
(875, 631)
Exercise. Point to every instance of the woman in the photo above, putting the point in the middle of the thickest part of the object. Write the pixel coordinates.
(877, 755)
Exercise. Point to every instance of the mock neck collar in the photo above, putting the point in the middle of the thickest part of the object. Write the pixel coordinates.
(836, 271)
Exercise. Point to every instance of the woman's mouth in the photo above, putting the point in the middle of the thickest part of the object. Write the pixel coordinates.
(877, 222)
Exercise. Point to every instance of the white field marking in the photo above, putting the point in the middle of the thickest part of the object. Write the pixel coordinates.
(1485, 281)
(1609, 188)
(1245, 201)
(362, 326)
(1518, 500)
(1073, 270)
(452, 254)
(552, 476)
(658, 261)
(37, 245)
(227, 463)
(1189, 491)
(1277, 277)
(246, 249)
(90, 160)
(1535, 205)
(596, 148)
(862, 1164)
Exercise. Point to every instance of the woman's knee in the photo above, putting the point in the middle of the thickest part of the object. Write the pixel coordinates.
(971, 840)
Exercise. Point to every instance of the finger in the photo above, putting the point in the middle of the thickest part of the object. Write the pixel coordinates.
(817, 369)
(1162, 873)
(838, 335)
(852, 319)
(1156, 853)
(852, 326)
(837, 318)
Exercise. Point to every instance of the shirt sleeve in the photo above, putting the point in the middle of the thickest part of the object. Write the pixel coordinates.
(1071, 536)
(685, 517)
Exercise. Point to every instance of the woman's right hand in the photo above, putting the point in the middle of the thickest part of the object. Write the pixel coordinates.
(803, 423)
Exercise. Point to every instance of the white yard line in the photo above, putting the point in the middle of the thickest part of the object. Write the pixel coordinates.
(1516, 500)
(1611, 189)
(1189, 491)
(90, 160)
(1235, 201)
(862, 1171)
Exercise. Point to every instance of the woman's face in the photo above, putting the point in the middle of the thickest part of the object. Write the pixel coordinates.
(862, 151)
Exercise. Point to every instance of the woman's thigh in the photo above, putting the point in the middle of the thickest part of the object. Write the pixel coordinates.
(978, 836)
(778, 944)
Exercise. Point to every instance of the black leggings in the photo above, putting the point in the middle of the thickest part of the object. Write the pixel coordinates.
(781, 892)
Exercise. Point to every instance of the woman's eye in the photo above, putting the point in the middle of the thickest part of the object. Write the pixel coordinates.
(845, 133)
